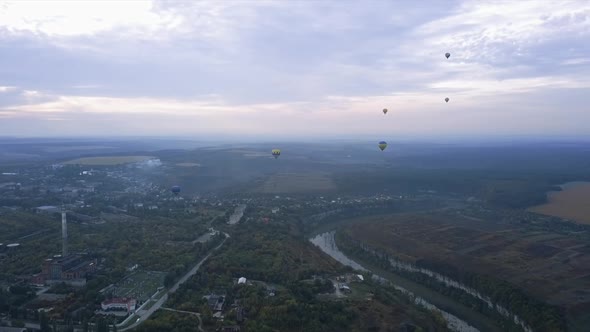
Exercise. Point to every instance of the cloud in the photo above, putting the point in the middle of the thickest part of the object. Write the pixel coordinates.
(477, 88)
(82, 18)
(86, 86)
(321, 68)
(31, 94)
(495, 31)
(7, 88)
(576, 61)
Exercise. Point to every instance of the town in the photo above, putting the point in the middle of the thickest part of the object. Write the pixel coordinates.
(95, 246)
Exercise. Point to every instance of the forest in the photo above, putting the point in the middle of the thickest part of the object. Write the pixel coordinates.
(539, 315)
(287, 277)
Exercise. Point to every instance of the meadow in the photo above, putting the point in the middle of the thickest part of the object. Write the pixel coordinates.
(296, 183)
(571, 203)
(107, 160)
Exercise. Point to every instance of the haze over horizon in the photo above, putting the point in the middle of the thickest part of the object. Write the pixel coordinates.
(295, 69)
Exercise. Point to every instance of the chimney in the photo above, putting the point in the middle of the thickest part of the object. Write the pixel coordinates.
(64, 233)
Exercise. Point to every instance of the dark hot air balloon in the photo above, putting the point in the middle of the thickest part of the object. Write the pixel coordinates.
(447, 55)
(175, 190)
(382, 145)
(385, 111)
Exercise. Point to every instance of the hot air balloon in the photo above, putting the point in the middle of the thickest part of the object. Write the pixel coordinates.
(175, 190)
(382, 145)
(385, 111)
(276, 153)
(447, 55)
(447, 99)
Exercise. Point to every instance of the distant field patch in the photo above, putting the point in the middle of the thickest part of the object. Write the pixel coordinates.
(297, 183)
(251, 153)
(571, 203)
(107, 161)
(76, 148)
(188, 165)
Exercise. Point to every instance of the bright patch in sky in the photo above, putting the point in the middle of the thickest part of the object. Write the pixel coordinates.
(283, 69)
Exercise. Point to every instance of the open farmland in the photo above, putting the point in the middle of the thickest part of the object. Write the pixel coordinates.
(188, 164)
(571, 203)
(66, 148)
(252, 153)
(297, 183)
(551, 266)
(108, 160)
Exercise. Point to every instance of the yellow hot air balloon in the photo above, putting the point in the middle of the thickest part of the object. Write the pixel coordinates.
(382, 145)
(385, 111)
(276, 153)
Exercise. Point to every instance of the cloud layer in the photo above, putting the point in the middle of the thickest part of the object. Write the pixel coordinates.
(294, 69)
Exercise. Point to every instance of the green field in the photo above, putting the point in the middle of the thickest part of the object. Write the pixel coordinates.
(108, 160)
(297, 183)
(188, 164)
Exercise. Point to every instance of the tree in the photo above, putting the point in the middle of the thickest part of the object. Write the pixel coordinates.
(206, 314)
(102, 326)
(18, 323)
(169, 279)
(44, 324)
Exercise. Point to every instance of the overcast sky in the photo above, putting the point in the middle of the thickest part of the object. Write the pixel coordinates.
(290, 69)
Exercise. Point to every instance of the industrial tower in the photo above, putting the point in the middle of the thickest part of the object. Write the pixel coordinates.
(64, 233)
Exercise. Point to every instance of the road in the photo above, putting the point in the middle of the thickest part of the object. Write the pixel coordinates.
(145, 314)
(337, 291)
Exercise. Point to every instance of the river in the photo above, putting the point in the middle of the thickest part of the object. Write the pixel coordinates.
(327, 244)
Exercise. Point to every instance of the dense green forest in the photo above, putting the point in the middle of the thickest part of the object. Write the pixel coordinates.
(500, 188)
(274, 258)
(540, 316)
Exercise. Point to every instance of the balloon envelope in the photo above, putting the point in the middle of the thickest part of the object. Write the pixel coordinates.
(382, 145)
(447, 100)
(385, 111)
(447, 55)
(276, 153)
(175, 190)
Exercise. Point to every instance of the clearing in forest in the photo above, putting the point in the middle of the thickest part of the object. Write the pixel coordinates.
(297, 183)
(108, 160)
(571, 203)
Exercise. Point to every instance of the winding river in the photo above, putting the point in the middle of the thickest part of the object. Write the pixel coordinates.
(327, 244)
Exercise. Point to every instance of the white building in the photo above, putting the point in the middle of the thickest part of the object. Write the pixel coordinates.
(242, 280)
(47, 209)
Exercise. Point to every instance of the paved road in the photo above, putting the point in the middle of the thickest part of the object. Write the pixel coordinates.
(145, 314)
(33, 326)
